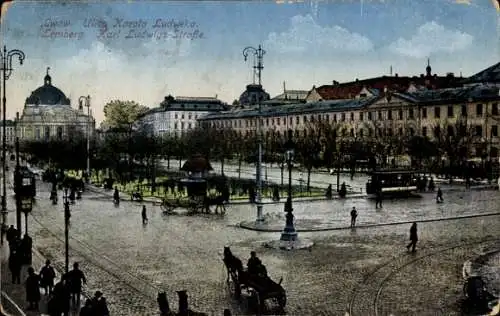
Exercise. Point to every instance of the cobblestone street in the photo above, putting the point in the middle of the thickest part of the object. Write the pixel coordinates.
(364, 271)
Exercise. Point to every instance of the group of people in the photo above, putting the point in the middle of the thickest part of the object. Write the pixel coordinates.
(19, 252)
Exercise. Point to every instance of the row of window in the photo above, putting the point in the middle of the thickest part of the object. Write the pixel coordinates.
(190, 116)
(176, 125)
(477, 129)
(342, 117)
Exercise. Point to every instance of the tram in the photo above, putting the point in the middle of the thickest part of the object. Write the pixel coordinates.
(392, 182)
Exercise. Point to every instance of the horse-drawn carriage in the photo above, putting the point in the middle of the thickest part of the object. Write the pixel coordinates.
(261, 286)
(194, 205)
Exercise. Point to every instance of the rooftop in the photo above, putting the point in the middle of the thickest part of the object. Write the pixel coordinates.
(489, 75)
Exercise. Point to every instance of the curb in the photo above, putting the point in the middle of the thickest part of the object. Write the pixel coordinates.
(18, 309)
(245, 225)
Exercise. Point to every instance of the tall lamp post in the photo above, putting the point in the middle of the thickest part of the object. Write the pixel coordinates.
(67, 215)
(81, 100)
(289, 233)
(6, 57)
(259, 55)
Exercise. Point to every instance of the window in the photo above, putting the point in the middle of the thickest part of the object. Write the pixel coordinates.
(47, 132)
(450, 110)
(267, 121)
(463, 111)
(342, 117)
(304, 119)
(37, 133)
(412, 131)
(352, 116)
(189, 125)
(277, 121)
(176, 116)
(175, 125)
(494, 109)
(389, 115)
(312, 118)
(361, 132)
(400, 114)
(369, 116)
(400, 131)
(479, 109)
(424, 113)
(479, 130)
(352, 132)
(182, 116)
(494, 130)
(424, 131)
(370, 132)
(59, 132)
(335, 117)
(380, 115)
(291, 120)
(327, 117)
(410, 114)
(389, 132)
(297, 120)
(189, 116)
(361, 116)
(437, 112)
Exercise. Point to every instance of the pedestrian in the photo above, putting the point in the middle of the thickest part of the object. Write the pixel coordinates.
(99, 305)
(15, 264)
(59, 303)
(86, 310)
(75, 278)
(354, 214)
(32, 289)
(227, 312)
(47, 276)
(413, 237)
(378, 198)
(144, 215)
(439, 196)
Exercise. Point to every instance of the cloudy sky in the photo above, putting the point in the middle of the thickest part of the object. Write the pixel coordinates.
(144, 51)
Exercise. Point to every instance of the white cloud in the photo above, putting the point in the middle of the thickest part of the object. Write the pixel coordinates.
(305, 34)
(431, 38)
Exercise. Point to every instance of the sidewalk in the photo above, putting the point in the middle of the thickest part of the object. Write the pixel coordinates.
(17, 293)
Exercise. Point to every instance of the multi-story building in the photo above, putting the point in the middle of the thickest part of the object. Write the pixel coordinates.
(421, 112)
(48, 114)
(10, 133)
(178, 115)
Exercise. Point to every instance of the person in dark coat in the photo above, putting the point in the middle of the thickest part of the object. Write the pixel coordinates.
(26, 247)
(354, 214)
(61, 297)
(75, 278)
(11, 235)
(32, 289)
(413, 237)
(15, 264)
(378, 198)
(253, 263)
(99, 305)
(47, 276)
(144, 215)
(86, 310)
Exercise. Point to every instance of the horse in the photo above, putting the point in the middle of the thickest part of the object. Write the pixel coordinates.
(218, 201)
(233, 263)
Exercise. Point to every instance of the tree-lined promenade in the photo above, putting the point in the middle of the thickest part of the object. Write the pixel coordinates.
(132, 152)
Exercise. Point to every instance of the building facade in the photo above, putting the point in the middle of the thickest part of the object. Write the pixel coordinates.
(48, 114)
(10, 133)
(176, 116)
(426, 113)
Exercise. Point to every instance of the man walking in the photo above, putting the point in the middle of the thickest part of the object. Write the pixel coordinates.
(378, 198)
(15, 264)
(75, 278)
(144, 215)
(47, 276)
(413, 237)
(354, 214)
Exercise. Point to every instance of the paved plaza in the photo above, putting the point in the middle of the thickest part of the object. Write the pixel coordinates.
(365, 271)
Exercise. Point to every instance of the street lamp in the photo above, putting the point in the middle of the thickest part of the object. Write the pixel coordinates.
(259, 55)
(289, 233)
(87, 104)
(6, 67)
(67, 215)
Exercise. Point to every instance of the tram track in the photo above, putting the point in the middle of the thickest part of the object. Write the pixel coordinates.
(136, 284)
(365, 296)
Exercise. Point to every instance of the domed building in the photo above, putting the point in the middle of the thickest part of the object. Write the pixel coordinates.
(48, 114)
